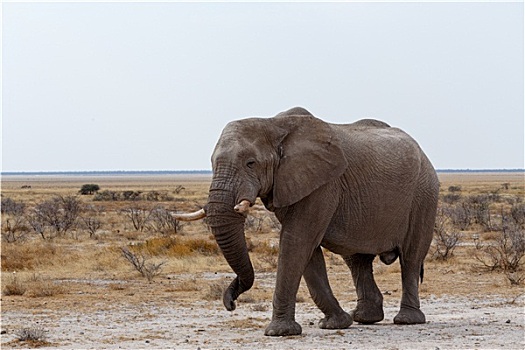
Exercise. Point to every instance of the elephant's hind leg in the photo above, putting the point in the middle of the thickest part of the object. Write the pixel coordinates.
(411, 258)
(410, 312)
(319, 287)
(369, 307)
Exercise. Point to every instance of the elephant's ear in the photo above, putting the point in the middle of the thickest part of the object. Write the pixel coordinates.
(311, 156)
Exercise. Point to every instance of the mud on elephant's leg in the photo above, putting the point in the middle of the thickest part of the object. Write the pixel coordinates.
(319, 287)
(369, 307)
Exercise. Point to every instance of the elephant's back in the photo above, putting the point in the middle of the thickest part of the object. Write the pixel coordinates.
(369, 123)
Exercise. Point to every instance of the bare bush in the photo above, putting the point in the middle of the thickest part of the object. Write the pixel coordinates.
(31, 334)
(515, 278)
(517, 213)
(37, 223)
(451, 198)
(444, 241)
(158, 196)
(107, 195)
(14, 226)
(10, 206)
(139, 216)
(506, 253)
(479, 207)
(459, 215)
(14, 287)
(139, 262)
(162, 221)
(90, 220)
(129, 195)
(45, 288)
(59, 213)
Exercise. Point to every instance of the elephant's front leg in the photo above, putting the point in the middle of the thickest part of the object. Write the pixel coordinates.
(319, 287)
(303, 227)
(292, 262)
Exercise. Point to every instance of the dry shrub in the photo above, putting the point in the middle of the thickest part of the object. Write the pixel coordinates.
(14, 287)
(28, 255)
(103, 259)
(140, 263)
(179, 250)
(34, 335)
(163, 222)
(506, 253)
(156, 246)
(445, 240)
(45, 288)
(59, 213)
(203, 246)
(177, 247)
(517, 213)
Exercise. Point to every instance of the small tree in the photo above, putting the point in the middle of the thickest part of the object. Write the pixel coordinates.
(37, 223)
(507, 253)
(90, 221)
(14, 226)
(10, 206)
(459, 215)
(89, 189)
(139, 217)
(59, 213)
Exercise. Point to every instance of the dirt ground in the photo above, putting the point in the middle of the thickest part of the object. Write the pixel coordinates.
(97, 315)
(105, 304)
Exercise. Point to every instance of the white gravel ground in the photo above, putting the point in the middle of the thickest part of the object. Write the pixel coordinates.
(453, 323)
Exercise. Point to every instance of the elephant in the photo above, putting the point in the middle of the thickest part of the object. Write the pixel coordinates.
(359, 190)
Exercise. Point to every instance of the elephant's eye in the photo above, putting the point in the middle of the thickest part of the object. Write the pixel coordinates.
(250, 164)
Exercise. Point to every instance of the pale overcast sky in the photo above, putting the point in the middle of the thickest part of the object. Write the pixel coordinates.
(149, 86)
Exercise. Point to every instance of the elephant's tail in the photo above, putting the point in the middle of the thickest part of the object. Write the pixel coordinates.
(422, 272)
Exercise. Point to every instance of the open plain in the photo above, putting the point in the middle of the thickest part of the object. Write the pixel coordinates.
(74, 288)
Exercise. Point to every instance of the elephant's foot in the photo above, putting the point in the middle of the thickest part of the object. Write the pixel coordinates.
(409, 316)
(368, 312)
(340, 321)
(279, 328)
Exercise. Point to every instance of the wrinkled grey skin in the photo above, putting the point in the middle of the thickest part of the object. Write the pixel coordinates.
(358, 190)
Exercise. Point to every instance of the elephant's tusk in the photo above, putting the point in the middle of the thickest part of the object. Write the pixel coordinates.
(199, 214)
(242, 207)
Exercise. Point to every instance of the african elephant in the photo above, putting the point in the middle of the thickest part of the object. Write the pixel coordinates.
(358, 190)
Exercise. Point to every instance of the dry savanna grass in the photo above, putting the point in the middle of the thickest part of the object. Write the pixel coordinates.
(77, 270)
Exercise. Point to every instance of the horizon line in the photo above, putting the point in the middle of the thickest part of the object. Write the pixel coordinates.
(144, 172)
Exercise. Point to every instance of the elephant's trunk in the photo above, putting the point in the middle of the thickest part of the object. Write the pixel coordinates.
(227, 226)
